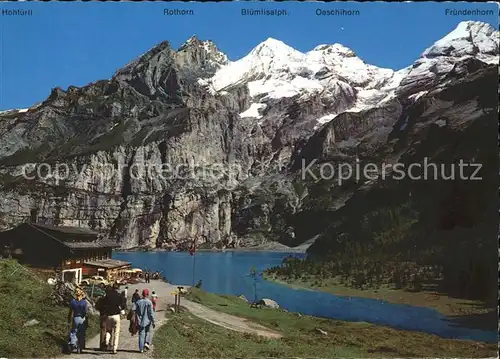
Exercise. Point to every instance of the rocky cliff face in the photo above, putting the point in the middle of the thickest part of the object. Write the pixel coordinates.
(184, 144)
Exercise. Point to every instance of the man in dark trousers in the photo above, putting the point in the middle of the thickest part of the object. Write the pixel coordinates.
(110, 309)
(100, 306)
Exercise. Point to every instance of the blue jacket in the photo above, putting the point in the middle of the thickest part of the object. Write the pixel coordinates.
(144, 310)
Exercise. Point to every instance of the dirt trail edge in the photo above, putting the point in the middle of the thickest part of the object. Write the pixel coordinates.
(229, 321)
(128, 347)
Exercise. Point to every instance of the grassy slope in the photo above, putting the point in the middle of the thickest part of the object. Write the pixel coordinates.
(185, 336)
(24, 296)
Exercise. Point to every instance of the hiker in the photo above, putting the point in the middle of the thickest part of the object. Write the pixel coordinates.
(124, 301)
(198, 285)
(154, 300)
(104, 340)
(135, 296)
(77, 317)
(133, 327)
(125, 292)
(112, 308)
(143, 309)
(146, 276)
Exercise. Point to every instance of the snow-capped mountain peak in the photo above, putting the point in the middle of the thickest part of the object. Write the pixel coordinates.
(277, 70)
(469, 38)
(334, 50)
(270, 59)
(343, 62)
(274, 70)
(275, 49)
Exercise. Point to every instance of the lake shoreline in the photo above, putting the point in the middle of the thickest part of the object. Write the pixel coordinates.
(301, 336)
(482, 317)
(272, 248)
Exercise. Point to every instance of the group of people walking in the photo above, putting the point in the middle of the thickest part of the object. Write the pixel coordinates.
(112, 306)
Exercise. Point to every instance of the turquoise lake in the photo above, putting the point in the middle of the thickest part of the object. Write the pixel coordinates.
(228, 273)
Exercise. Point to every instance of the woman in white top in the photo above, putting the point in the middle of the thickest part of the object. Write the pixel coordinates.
(154, 299)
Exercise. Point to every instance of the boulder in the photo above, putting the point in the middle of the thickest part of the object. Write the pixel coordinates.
(321, 331)
(268, 303)
(31, 323)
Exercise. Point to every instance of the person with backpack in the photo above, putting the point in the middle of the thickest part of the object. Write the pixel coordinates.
(103, 323)
(145, 318)
(133, 327)
(136, 296)
(77, 318)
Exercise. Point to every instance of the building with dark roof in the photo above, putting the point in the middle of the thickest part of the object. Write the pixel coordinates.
(72, 251)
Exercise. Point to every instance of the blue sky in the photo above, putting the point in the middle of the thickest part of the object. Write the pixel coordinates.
(66, 44)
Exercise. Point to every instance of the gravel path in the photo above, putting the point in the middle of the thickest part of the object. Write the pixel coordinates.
(228, 321)
(128, 347)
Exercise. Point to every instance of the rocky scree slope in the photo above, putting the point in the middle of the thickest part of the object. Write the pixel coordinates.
(236, 134)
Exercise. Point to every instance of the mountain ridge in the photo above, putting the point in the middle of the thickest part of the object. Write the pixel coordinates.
(301, 78)
(163, 109)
